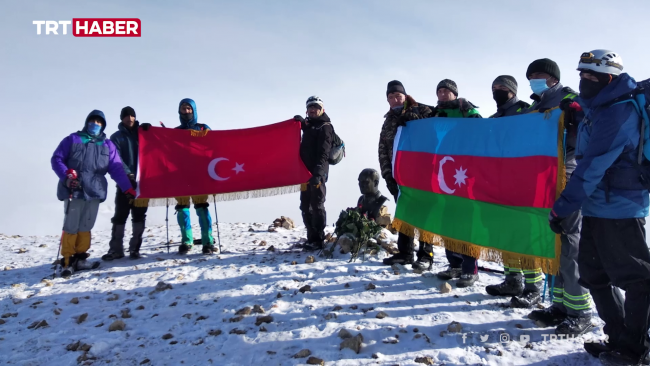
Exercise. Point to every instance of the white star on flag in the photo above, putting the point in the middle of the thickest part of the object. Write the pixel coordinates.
(460, 176)
(238, 168)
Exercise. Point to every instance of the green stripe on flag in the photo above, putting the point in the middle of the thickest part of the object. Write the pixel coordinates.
(521, 230)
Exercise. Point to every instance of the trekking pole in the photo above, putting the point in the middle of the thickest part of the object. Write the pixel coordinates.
(216, 219)
(167, 223)
(67, 208)
(544, 292)
(552, 288)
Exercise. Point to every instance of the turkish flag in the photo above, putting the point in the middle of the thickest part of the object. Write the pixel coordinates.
(181, 163)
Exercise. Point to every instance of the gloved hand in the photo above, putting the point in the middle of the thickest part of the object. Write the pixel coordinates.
(72, 183)
(299, 118)
(555, 222)
(315, 180)
(130, 193)
(71, 174)
(392, 187)
(145, 126)
(570, 108)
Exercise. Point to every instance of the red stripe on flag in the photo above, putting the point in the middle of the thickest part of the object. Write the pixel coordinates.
(524, 182)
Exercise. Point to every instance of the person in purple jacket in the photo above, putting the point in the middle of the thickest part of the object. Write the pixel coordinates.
(81, 162)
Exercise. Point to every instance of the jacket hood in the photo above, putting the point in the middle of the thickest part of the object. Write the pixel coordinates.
(195, 116)
(95, 113)
(624, 84)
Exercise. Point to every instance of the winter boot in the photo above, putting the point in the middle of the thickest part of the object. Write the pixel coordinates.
(405, 255)
(425, 257)
(574, 325)
(467, 279)
(209, 249)
(82, 262)
(184, 249)
(67, 271)
(595, 349)
(398, 258)
(136, 240)
(617, 358)
(205, 221)
(549, 317)
(183, 218)
(311, 247)
(512, 286)
(531, 296)
(450, 273)
(116, 245)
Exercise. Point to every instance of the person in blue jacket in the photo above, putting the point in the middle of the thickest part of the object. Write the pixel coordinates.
(189, 117)
(612, 252)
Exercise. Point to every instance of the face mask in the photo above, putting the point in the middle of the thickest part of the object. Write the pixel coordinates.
(538, 86)
(589, 89)
(187, 116)
(397, 109)
(94, 129)
(500, 96)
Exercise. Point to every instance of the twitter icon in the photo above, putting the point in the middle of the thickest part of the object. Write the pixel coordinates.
(484, 338)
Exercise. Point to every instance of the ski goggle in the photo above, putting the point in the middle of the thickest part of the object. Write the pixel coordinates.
(589, 58)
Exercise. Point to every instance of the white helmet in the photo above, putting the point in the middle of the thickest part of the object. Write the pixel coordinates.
(314, 100)
(603, 61)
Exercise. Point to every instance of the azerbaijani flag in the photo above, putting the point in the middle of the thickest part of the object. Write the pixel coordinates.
(483, 186)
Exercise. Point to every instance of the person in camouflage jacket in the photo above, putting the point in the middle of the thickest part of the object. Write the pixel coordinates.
(403, 108)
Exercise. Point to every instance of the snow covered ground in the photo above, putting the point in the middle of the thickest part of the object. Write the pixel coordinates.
(195, 322)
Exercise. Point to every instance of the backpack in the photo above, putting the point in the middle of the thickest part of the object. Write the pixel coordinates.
(337, 152)
(637, 177)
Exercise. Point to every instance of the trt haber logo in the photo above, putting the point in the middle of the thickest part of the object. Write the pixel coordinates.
(92, 27)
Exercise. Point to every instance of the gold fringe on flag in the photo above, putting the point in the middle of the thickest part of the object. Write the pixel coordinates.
(195, 133)
(212, 198)
(523, 261)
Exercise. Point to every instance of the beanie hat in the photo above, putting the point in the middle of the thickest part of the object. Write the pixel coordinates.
(395, 86)
(507, 81)
(544, 65)
(127, 111)
(448, 84)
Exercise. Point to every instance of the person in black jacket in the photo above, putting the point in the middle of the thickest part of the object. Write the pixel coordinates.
(315, 146)
(126, 142)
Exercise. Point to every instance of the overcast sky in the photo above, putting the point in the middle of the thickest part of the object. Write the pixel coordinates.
(250, 63)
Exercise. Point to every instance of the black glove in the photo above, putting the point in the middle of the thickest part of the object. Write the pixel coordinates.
(555, 223)
(315, 180)
(570, 107)
(145, 126)
(392, 187)
(299, 118)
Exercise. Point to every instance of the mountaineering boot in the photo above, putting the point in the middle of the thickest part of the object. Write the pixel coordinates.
(67, 271)
(205, 221)
(511, 286)
(467, 279)
(450, 273)
(209, 249)
(549, 317)
(183, 218)
(574, 325)
(405, 248)
(116, 245)
(82, 263)
(617, 358)
(310, 247)
(424, 260)
(306, 220)
(595, 349)
(398, 258)
(531, 296)
(136, 240)
(527, 300)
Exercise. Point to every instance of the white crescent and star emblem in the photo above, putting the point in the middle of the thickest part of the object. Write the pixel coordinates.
(212, 171)
(460, 176)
